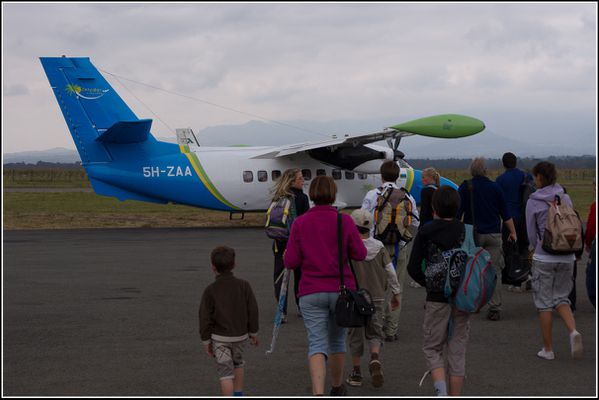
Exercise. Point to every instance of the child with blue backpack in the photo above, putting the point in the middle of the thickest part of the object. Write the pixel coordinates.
(445, 232)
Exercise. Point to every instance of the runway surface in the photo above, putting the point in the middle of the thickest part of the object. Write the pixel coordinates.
(114, 313)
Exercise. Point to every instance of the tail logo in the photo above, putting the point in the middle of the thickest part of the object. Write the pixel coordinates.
(85, 93)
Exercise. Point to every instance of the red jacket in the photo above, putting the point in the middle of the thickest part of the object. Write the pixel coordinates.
(591, 226)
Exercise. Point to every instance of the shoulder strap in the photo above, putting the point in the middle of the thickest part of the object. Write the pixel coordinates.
(340, 247)
(387, 197)
(380, 207)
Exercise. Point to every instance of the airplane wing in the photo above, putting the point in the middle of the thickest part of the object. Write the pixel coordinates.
(448, 126)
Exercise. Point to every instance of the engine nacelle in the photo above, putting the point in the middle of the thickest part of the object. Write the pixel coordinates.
(365, 159)
(374, 166)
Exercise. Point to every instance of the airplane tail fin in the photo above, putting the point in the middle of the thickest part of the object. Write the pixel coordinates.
(94, 112)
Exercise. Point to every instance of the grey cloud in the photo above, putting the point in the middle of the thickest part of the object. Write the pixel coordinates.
(315, 60)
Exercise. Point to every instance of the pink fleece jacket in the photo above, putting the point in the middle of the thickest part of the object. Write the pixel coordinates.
(312, 246)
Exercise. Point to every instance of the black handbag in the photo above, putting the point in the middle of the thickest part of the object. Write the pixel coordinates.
(517, 267)
(354, 307)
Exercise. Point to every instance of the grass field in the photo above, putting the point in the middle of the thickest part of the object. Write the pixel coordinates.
(62, 210)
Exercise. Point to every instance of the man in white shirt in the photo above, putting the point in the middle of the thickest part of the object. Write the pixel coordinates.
(400, 252)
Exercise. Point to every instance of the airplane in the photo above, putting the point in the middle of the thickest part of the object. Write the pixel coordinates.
(124, 160)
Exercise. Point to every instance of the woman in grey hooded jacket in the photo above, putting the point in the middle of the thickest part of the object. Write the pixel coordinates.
(551, 273)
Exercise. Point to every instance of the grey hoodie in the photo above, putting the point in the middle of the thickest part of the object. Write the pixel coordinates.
(536, 217)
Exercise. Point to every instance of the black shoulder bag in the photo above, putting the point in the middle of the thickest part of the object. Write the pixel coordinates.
(354, 307)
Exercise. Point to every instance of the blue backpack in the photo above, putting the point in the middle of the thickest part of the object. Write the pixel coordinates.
(478, 279)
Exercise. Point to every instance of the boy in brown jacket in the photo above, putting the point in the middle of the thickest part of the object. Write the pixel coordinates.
(228, 318)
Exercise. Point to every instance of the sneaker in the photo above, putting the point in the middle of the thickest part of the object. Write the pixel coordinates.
(299, 314)
(547, 355)
(283, 318)
(517, 289)
(338, 391)
(376, 373)
(414, 284)
(576, 344)
(355, 379)
(494, 315)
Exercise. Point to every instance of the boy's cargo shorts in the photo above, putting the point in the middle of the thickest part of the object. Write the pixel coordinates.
(436, 319)
(228, 356)
(373, 332)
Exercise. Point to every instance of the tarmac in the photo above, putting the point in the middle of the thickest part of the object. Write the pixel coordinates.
(115, 313)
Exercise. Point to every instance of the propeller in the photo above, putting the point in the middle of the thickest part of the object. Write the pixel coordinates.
(394, 145)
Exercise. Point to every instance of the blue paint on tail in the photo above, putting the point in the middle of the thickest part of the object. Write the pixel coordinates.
(116, 148)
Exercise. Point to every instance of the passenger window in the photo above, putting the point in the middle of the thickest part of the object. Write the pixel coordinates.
(262, 176)
(336, 174)
(321, 172)
(248, 176)
(349, 175)
(307, 174)
(275, 175)
(362, 176)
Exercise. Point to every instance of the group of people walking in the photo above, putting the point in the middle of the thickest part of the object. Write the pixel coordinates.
(378, 259)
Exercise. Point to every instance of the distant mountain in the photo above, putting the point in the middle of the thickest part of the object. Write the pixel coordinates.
(258, 133)
(486, 143)
(55, 155)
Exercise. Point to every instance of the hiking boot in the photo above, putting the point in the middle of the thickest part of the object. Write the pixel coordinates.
(355, 379)
(338, 391)
(391, 338)
(376, 373)
(576, 344)
(547, 355)
(494, 315)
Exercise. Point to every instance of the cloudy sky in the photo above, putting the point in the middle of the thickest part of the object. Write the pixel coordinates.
(529, 71)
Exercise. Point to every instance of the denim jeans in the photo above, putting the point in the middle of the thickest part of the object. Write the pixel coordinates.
(324, 336)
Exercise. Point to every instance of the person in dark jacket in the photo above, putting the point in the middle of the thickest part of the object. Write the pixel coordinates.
(483, 206)
(430, 182)
(512, 182)
(289, 185)
(228, 319)
(445, 232)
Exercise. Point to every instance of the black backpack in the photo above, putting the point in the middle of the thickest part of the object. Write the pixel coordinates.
(527, 187)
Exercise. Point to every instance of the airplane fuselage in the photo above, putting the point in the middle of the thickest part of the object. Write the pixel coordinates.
(230, 178)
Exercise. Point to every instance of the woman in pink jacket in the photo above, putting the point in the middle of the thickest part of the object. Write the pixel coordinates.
(312, 246)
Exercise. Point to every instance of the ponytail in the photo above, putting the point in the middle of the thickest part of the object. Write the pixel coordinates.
(433, 174)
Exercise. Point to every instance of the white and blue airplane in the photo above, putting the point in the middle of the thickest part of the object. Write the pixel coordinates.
(124, 160)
